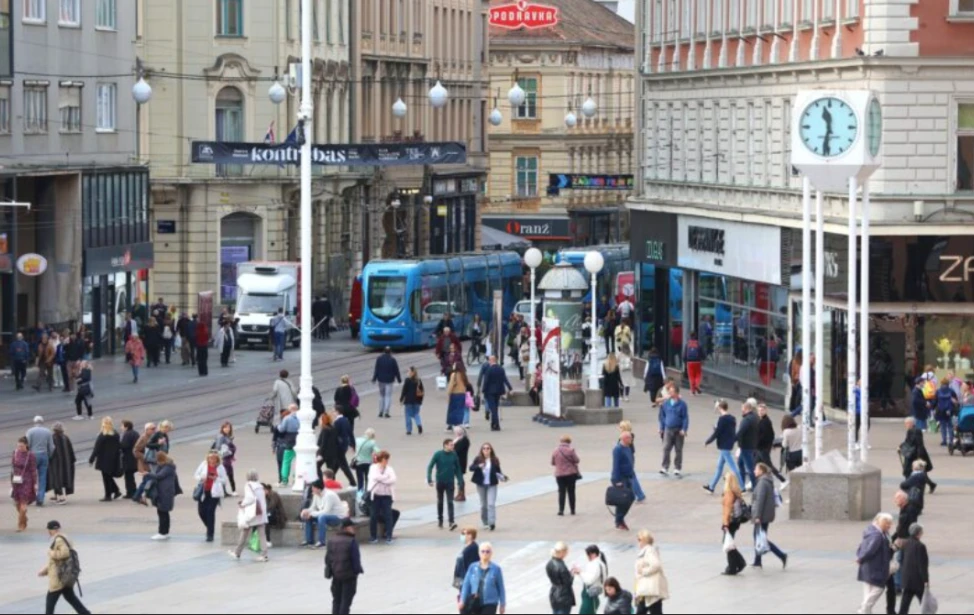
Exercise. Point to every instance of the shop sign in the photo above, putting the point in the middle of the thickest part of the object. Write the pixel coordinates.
(655, 250)
(32, 264)
(576, 181)
(532, 228)
(117, 259)
(524, 15)
(166, 227)
(746, 251)
(354, 154)
(956, 268)
(653, 237)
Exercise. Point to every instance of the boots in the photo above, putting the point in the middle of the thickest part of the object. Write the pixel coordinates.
(460, 497)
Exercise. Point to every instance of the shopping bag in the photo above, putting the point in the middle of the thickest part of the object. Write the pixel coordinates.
(729, 544)
(441, 383)
(761, 542)
(254, 543)
(929, 606)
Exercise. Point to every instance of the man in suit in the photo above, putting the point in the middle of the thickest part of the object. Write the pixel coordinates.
(496, 384)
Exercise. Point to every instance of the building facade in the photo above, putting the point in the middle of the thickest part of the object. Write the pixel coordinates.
(720, 205)
(68, 148)
(400, 49)
(588, 53)
(211, 65)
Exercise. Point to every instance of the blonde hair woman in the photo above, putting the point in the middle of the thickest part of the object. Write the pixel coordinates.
(212, 485)
(561, 596)
(611, 382)
(651, 585)
(734, 514)
(105, 458)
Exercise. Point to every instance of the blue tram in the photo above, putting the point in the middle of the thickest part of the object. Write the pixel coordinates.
(617, 261)
(405, 299)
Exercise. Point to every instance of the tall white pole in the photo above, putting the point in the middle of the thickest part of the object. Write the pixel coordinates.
(819, 320)
(533, 344)
(864, 325)
(306, 448)
(806, 315)
(851, 355)
(593, 377)
(837, 36)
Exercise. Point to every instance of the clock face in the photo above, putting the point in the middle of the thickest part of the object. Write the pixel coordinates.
(829, 127)
(875, 127)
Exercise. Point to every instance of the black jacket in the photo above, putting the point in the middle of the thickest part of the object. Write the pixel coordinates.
(75, 351)
(765, 434)
(478, 474)
(916, 566)
(747, 433)
(153, 336)
(329, 448)
(462, 449)
(409, 388)
(495, 381)
(915, 486)
(913, 448)
(343, 396)
(127, 443)
(908, 516)
(561, 596)
(105, 454)
(343, 559)
(724, 433)
(612, 383)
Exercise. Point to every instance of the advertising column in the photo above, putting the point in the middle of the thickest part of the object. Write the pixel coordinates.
(551, 368)
(569, 316)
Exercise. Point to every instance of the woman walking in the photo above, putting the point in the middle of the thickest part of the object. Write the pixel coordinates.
(224, 342)
(411, 398)
(366, 450)
(652, 587)
(565, 460)
(282, 393)
(763, 514)
(252, 517)
(654, 375)
(228, 455)
(23, 481)
(593, 573)
(733, 516)
(487, 476)
(467, 557)
(60, 472)
(609, 332)
(625, 427)
(130, 464)
(611, 382)
(164, 489)
(561, 597)
(617, 600)
(85, 391)
(212, 486)
(382, 490)
(483, 586)
(915, 569)
(107, 459)
(461, 446)
(456, 392)
(134, 355)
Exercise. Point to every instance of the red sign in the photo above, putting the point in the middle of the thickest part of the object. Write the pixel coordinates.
(524, 15)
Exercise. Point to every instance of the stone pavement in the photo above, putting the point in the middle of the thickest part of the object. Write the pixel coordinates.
(124, 572)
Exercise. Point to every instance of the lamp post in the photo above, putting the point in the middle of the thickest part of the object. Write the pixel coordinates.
(593, 264)
(533, 258)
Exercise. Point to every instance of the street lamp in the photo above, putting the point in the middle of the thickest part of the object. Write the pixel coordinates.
(571, 120)
(533, 258)
(593, 264)
(399, 108)
(438, 95)
(589, 108)
(516, 95)
(495, 117)
(277, 93)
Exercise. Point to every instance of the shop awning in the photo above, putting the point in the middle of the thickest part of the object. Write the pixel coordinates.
(494, 239)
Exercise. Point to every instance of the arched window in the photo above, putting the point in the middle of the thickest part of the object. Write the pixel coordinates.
(229, 124)
(240, 241)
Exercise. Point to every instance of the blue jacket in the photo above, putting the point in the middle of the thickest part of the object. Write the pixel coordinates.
(495, 381)
(674, 415)
(346, 437)
(874, 556)
(386, 369)
(725, 433)
(623, 464)
(494, 592)
(921, 407)
(20, 351)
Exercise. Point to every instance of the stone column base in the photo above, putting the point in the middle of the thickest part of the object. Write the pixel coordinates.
(828, 489)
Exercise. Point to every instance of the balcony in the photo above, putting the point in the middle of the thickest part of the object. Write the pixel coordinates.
(397, 137)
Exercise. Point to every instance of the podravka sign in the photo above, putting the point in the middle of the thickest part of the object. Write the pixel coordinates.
(524, 15)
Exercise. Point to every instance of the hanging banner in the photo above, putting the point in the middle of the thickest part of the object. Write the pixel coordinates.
(582, 181)
(551, 368)
(352, 155)
(524, 15)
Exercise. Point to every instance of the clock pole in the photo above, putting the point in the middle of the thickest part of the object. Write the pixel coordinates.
(819, 321)
(806, 368)
(864, 325)
(852, 322)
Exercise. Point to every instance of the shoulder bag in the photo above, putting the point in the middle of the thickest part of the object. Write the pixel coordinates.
(475, 602)
(578, 475)
(420, 391)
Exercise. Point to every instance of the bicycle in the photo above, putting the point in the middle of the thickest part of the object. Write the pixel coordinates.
(476, 352)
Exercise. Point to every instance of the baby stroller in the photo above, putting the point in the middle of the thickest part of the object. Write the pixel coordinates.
(963, 433)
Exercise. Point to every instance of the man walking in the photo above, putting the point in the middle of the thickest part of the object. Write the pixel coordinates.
(448, 472)
(318, 313)
(45, 364)
(279, 326)
(40, 441)
(496, 384)
(623, 475)
(674, 422)
(61, 571)
(186, 328)
(873, 558)
(386, 372)
(765, 444)
(74, 353)
(20, 356)
(747, 440)
(343, 565)
(724, 434)
(693, 357)
(202, 348)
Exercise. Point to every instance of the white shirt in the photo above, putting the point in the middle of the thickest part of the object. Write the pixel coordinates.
(487, 468)
(328, 503)
(625, 308)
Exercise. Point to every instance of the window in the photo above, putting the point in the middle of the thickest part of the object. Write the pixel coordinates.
(806, 11)
(4, 109)
(341, 22)
(749, 137)
(229, 124)
(702, 16)
(107, 100)
(529, 110)
(965, 146)
(732, 145)
(328, 22)
(769, 12)
(687, 22)
(35, 10)
(527, 176)
(6, 62)
(733, 16)
(229, 18)
(70, 14)
(316, 35)
(752, 14)
(69, 107)
(105, 14)
(852, 8)
(35, 109)
(786, 15)
(962, 8)
(766, 145)
(827, 10)
(786, 141)
(718, 18)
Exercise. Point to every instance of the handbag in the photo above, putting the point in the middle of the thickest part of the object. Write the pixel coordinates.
(468, 400)
(420, 391)
(198, 492)
(619, 496)
(475, 602)
(128, 357)
(594, 591)
(729, 544)
(254, 543)
(354, 399)
(894, 566)
(441, 383)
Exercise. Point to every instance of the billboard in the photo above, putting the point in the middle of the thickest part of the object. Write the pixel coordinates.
(570, 316)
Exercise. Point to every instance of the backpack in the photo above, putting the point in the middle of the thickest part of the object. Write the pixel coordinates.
(353, 401)
(929, 390)
(68, 570)
(693, 351)
(655, 366)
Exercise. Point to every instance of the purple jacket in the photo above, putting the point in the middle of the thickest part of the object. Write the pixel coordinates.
(565, 460)
(874, 555)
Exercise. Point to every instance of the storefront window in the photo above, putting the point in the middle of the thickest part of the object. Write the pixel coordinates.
(675, 311)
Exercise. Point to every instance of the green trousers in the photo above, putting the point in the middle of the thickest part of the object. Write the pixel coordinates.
(289, 456)
(590, 606)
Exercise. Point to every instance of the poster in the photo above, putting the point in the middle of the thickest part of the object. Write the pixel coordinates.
(551, 368)
(230, 257)
(569, 316)
(204, 307)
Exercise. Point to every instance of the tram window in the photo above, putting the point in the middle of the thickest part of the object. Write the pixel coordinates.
(416, 305)
(480, 290)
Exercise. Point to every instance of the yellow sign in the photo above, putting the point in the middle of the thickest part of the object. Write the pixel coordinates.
(32, 264)
(441, 211)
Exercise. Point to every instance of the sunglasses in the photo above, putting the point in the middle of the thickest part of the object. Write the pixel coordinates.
(486, 551)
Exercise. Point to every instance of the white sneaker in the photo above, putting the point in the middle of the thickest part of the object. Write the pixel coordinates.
(78, 418)
(664, 472)
(262, 560)
(160, 537)
(233, 555)
(678, 474)
(785, 484)
(270, 544)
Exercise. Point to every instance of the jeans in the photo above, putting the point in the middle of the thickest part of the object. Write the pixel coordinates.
(207, 512)
(69, 597)
(342, 594)
(622, 511)
(444, 490)
(946, 431)
(164, 522)
(494, 404)
(412, 414)
(167, 346)
(907, 600)
(637, 489)
(42, 462)
(610, 402)
(362, 474)
(381, 509)
(921, 425)
(135, 373)
(20, 373)
(672, 438)
(385, 398)
(726, 458)
(323, 521)
(870, 596)
(774, 548)
(566, 487)
(745, 465)
(279, 344)
(142, 487)
(488, 504)
(653, 609)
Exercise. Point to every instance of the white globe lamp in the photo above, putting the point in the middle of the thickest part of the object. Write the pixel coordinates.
(571, 120)
(399, 108)
(277, 93)
(517, 95)
(141, 91)
(495, 118)
(438, 95)
(589, 108)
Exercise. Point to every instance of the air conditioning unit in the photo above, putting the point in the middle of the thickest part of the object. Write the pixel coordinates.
(294, 75)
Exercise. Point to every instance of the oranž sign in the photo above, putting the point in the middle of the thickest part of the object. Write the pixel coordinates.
(524, 15)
